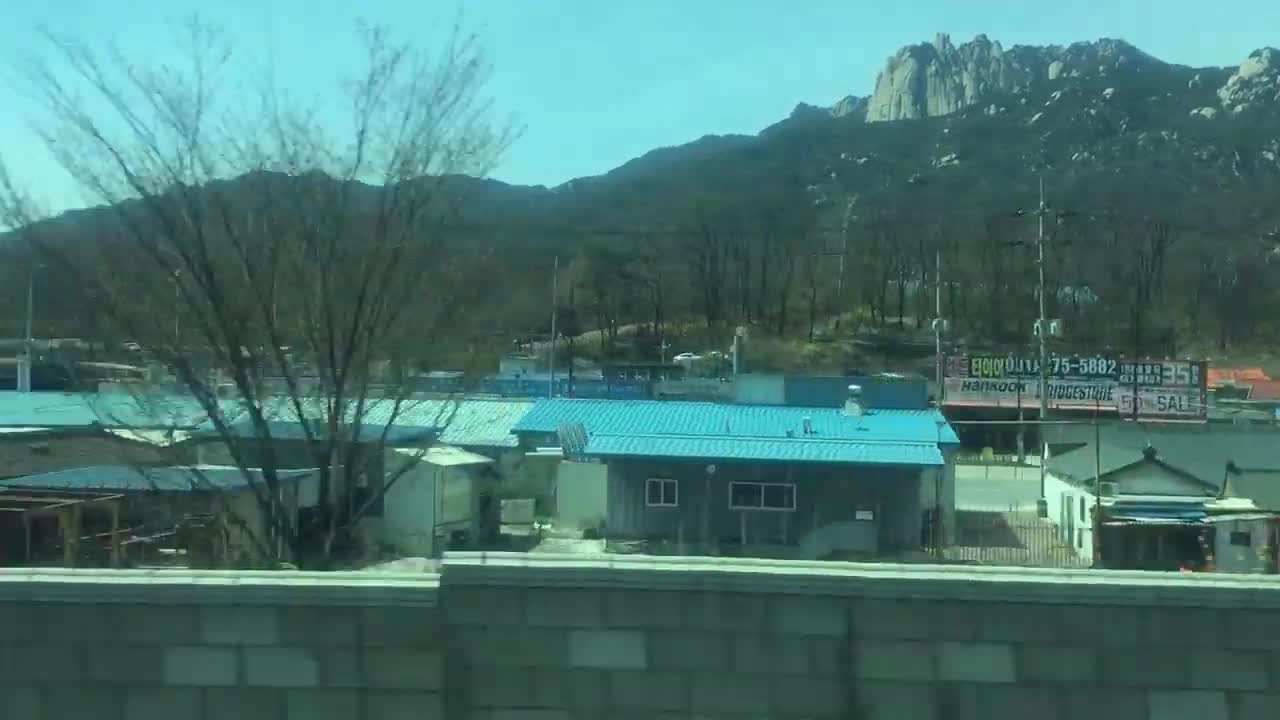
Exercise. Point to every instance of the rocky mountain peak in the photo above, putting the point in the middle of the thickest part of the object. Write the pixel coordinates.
(1257, 80)
(940, 78)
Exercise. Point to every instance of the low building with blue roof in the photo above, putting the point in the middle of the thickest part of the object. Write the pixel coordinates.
(808, 482)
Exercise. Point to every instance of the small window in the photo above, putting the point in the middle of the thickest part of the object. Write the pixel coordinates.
(1241, 538)
(1082, 511)
(661, 492)
(762, 496)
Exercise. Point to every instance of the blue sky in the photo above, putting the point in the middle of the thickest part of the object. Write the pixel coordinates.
(597, 82)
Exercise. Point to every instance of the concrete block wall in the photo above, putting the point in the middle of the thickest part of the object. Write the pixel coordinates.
(567, 638)
(214, 646)
(542, 637)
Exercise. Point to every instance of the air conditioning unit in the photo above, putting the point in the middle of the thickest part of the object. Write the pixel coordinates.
(1108, 489)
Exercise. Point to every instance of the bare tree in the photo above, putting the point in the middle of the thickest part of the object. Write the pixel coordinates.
(287, 264)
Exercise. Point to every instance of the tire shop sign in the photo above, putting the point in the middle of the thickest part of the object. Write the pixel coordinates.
(1165, 389)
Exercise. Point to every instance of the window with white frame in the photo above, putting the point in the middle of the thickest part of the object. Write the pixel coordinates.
(661, 492)
(762, 496)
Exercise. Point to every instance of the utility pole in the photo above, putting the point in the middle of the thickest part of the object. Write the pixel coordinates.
(1042, 330)
(24, 371)
(551, 353)
(937, 322)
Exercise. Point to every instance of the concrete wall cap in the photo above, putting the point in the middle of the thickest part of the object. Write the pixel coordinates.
(879, 580)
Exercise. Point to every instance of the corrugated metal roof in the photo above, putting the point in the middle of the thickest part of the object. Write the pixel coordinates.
(467, 422)
(125, 478)
(51, 409)
(628, 417)
(772, 449)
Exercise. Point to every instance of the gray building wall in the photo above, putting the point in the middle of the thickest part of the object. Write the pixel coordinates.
(826, 519)
(554, 638)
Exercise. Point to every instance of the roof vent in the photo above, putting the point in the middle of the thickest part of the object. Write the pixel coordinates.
(808, 426)
(1149, 452)
(853, 403)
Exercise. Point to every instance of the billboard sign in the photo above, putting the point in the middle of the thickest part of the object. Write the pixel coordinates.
(1165, 389)
(1010, 393)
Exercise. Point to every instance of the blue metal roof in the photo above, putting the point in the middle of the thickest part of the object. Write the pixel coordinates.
(53, 409)
(627, 417)
(765, 449)
(466, 422)
(125, 478)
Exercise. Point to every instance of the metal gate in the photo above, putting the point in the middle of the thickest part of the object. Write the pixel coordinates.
(1014, 538)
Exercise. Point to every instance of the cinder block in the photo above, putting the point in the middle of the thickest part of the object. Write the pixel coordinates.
(320, 626)
(20, 703)
(1017, 623)
(878, 619)
(880, 700)
(1145, 668)
(82, 624)
(482, 605)
(159, 625)
(404, 669)
(1183, 627)
(1104, 704)
(1012, 701)
(340, 668)
(125, 665)
(239, 625)
(403, 705)
(1229, 670)
(811, 697)
(1254, 706)
(1106, 625)
(403, 627)
(1253, 629)
(806, 615)
(648, 691)
(321, 704)
(528, 714)
(728, 693)
(162, 703)
(608, 649)
(893, 660)
(976, 662)
(281, 667)
(243, 704)
(691, 651)
(586, 691)
(195, 665)
(564, 608)
(512, 647)
(21, 623)
(1188, 705)
(770, 653)
(643, 609)
(44, 665)
(1057, 665)
(831, 657)
(527, 688)
(83, 702)
(724, 612)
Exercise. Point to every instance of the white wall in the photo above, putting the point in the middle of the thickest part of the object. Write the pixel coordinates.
(409, 506)
(1064, 502)
(582, 494)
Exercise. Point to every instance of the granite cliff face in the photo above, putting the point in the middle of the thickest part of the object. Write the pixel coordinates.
(1257, 80)
(940, 78)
